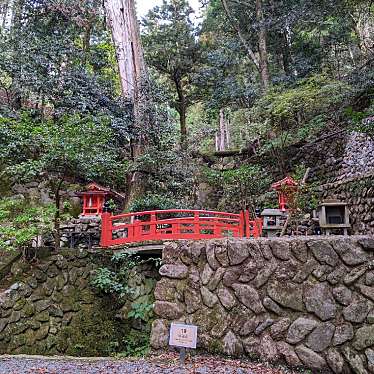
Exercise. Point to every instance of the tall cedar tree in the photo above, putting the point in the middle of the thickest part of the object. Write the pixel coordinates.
(171, 48)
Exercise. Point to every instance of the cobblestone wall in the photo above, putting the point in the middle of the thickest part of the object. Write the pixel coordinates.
(53, 309)
(343, 167)
(354, 182)
(306, 302)
(358, 192)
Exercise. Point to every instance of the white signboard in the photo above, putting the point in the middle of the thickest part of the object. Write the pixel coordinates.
(183, 335)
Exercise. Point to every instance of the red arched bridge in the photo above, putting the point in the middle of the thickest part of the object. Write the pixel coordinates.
(176, 224)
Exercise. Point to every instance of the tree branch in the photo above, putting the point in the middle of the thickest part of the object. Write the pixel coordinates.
(246, 45)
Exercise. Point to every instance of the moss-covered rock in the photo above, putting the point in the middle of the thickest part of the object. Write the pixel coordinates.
(17, 341)
(91, 332)
(18, 328)
(42, 316)
(56, 311)
(42, 332)
(19, 304)
(28, 309)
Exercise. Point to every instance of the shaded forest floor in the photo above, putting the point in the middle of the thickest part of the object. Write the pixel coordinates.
(155, 364)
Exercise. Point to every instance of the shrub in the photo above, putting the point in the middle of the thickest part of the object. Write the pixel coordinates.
(285, 109)
(21, 222)
(240, 186)
(153, 202)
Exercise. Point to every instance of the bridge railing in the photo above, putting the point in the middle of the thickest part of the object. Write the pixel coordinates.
(175, 224)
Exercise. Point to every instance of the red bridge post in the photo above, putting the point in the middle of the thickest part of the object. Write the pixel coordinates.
(106, 229)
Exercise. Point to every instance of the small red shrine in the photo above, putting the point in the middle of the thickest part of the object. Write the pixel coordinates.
(285, 189)
(94, 198)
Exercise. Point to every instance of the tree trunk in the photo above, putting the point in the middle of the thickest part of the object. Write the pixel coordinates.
(16, 8)
(57, 218)
(183, 124)
(222, 145)
(223, 135)
(245, 43)
(286, 54)
(262, 46)
(227, 132)
(86, 41)
(4, 13)
(122, 20)
(364, 27)
(182, 110)
(121, 17)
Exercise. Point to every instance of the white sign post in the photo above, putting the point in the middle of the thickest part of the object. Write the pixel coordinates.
(183, 336)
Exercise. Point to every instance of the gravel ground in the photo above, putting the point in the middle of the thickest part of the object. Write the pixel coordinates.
(161, 364)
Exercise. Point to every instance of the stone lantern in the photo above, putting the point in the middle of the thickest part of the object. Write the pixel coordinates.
(273, 221)
(333, 216)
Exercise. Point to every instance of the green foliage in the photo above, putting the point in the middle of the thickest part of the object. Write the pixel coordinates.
(153, 202)
(116, 280)
(112, 205)
(106, 281)
(240, 186)
(171, 49)
(362, 121)
(202, 127)
(57, 57)
(286, 109)
(21, 222)
(136, 344)
(143, 311)
(69, 147)
(306, 197)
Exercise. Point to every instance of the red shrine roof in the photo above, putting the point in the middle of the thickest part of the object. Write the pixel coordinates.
(94, 188)
(288, 181)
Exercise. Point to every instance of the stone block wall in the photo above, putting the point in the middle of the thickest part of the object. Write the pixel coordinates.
(353, 182)
(358, 157)
(358, 192)
(83, 233)
(52, 308)
(38, 311)
(303, 301)
(342, 167)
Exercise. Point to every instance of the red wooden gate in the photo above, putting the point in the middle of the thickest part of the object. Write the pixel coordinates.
(175, 224)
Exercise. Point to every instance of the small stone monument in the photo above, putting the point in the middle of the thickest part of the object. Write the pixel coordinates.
(333, 217)
(273, 221)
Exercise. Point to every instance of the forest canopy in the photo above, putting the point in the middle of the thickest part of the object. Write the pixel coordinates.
(242, 77)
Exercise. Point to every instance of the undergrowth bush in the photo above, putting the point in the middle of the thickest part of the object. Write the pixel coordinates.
(21, 222)
(240, 186)
(116, 282)
(153, 202)
(296, 106)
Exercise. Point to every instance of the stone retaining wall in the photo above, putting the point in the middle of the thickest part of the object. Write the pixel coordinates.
(307, 302)
(343, 168)
(83, 233)
(52, 308)
(358, 192)
(353, 182)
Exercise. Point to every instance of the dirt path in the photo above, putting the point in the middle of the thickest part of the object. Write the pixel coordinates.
(161, 364)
